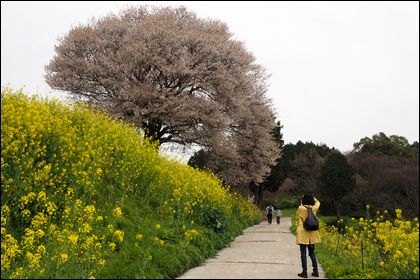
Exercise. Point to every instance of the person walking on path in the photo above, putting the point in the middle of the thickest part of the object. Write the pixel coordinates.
(278, 215)
(270, 211)
(307, 239)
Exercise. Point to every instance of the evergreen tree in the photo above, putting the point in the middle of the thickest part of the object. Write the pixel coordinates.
(337, 179)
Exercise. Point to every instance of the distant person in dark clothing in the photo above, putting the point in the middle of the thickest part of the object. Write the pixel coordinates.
(270, 211)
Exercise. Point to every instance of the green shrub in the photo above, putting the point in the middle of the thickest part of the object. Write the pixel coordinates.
(286, 203)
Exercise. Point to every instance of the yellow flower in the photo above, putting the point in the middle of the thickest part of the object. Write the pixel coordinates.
(190, 234)
(139, 237)
(64, 257)
(90, 209)
(26, 213)
(112, 246)
(398, 254)
(39, 220)
(398, 213)
(102, 262)
(17, 274)
(117, 212)
(119, 234)
(51, 208)
(157, 226)
(42, 197)
(78, 202)
(33, 259)
(86, 228)
(5, 211)
(41, 249)
(70, 192)
(73, 238)
(3, 221)
(89, 242)
(66, 212)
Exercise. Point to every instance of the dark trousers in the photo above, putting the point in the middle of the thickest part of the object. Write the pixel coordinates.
(270, 218)
(278, 220)
(311, 249)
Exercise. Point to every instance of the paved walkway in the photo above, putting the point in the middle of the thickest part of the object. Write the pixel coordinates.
(264, 251)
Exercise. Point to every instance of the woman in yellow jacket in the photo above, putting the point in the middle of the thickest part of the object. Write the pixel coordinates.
(307, 239)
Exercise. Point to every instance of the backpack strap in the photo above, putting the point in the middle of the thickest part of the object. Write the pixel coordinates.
(308, 213)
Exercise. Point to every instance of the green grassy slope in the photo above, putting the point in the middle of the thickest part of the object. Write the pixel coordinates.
(85, 196)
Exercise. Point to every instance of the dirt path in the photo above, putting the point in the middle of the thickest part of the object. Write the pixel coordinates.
(264, 251)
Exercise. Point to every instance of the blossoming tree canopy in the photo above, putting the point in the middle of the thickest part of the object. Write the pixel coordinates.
(182, 79)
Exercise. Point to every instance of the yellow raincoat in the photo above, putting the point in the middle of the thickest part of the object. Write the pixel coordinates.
(303, 236)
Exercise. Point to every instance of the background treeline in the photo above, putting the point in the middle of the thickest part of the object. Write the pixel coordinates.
(385, 173)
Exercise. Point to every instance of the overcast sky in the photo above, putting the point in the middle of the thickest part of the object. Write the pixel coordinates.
(340, 71)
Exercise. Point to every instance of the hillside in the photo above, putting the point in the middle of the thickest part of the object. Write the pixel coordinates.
(85, 196)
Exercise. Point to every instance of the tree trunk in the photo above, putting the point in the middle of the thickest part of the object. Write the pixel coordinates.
(260, 196)
(258, 193)
(338, 208)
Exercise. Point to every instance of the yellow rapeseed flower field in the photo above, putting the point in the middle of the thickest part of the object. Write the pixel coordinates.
(378, 247)
(81, 191)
